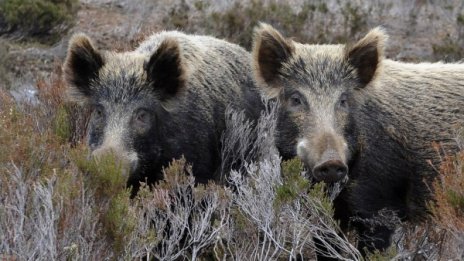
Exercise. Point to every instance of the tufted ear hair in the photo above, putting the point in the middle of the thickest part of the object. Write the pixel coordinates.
(81, 67)
(165, 70)
(270, 51)
(367, 54)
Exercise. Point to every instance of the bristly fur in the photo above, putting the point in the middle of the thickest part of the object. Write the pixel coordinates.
(269, 59)
(164, 100)
(367, 54)
(380, 116)
(165, 70)
(81, 67)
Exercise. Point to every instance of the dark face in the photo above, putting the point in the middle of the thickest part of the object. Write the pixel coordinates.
(315, 122)
(128, 95)
(127, 129)
(319, 89)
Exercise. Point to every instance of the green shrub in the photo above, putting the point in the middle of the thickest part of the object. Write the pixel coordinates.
(61, 125)
(460, 19)
(38, 18)
(377, 255)
(456, 200)
(118, 221)
(105, 173)
(104, 177)
(296, 186)
(294, 183)
(4, 57)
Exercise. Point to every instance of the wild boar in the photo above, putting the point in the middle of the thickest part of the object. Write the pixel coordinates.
(346, 110)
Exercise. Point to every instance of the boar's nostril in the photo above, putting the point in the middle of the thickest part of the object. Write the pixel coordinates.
(323, 171)
(330, 171)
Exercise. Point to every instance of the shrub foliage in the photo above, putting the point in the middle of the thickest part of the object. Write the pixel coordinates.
(38, 18)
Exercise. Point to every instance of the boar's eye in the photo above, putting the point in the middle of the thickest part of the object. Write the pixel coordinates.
(142, 116)
(99, 112)
(295, 100)
(343, 102)
(142, 119)
(97, 123)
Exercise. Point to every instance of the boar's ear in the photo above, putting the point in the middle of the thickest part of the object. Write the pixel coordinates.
(165, 70)
(367, 54)
(81, 66)
(270, 51)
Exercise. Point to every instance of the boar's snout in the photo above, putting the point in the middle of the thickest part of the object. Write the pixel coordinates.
(330, 171)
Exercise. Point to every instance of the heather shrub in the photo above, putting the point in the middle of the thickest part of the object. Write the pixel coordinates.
(448, 207)
(57, 203)
(449, 189)
(40, 19)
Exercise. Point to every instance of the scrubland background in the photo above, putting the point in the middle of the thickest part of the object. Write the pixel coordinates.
(54, 204)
